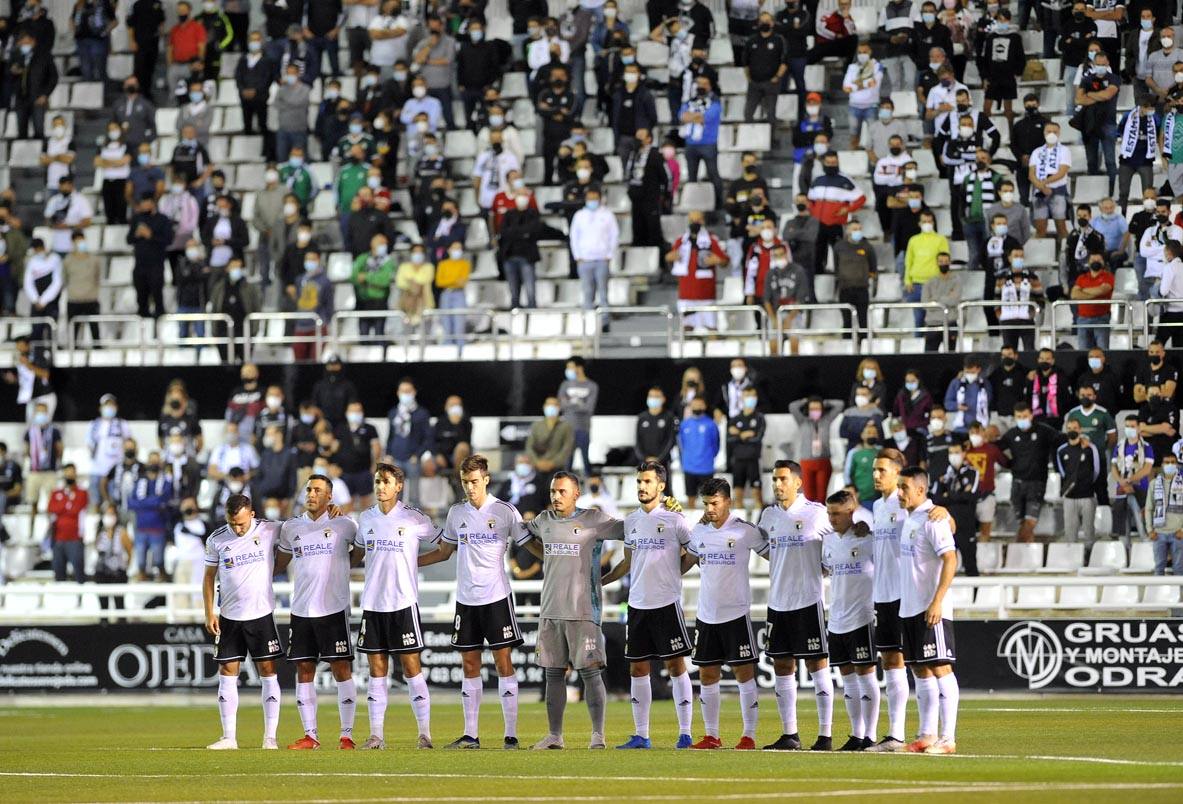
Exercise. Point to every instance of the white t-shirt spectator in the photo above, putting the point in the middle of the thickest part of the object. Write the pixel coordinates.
(1047, 160)
(385, 52)
(491, 169)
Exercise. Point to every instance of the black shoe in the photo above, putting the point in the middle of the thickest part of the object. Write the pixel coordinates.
(823, 744)
(787, 742)
(464, 742)
(867, 743)
(511, 744)
(853, 744)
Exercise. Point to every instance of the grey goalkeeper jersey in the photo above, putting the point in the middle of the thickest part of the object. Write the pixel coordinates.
(571, 550)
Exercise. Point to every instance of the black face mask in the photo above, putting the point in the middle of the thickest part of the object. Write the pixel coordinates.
(497, 148)
(71, 481)
(802, 207)
(1156, 360)
(700, 92)
(765, 27)
(944, 269)
(1008, 362)
(830, 170)
(896, 151)
(695, 228)
(963, 107)
(1073, 435)
(1046, 367)
(1032, 110)
(130, 454)
(697, 62)
(1083, 223)
(182, 17)
(1096, 266)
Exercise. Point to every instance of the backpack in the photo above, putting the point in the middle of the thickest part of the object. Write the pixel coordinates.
(1034, 71)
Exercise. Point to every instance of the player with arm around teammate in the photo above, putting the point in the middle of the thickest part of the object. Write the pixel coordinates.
(240, 560)
(655, 554)
(320, 548)
(479, 530)
(391, 533)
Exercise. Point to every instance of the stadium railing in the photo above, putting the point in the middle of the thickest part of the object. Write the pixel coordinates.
(211, 325)
(883, 312)
(638, 314)
(1061, 324)
(1149, 306)
(811, 326)
(971, 326)
(733, 321)
(982, 596)
(270, 330)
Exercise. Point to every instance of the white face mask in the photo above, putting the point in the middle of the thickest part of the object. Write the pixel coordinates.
(176, 449)
(419, 92)
(926, 227)
(235, 486)
(274, 402)
(812, 109)
(1051, 139)
(1008, 198)
(976, 440)
(290, 210)
(966, 132)
(1167, 43)
(272, 512)
(738, 373)
(936, 426)
(863, 58)
(271, 177)
(955, 460)
(583, 174)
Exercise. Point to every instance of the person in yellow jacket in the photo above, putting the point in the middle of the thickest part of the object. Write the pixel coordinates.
(920, 263)
(451, 275)
(414, 279)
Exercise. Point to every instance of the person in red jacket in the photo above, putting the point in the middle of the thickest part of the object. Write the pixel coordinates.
(694, 257)
(758, 260)
(832, 197)
(836, 35)
(66, 506)
(983, 455)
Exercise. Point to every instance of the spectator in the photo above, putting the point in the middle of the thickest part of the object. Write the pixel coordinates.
(1021, 293)
(58, 153)
(1079, 464)
(181, 467)
(414, 280)
(1092, 322)
(83, 273)
(66, 506)
(43, 447)
(814, 417)
(275, 218)
(764, 63)
(895, 24)
(597, 498)
(1096, 92)
(551, 441)
(863, 412)
(863, 84)
(1164, 517)
(698, 445)
(958, 489)
(921, 263)
(253, 76)
(113, 547)
(913, 402)
(91, 23)
(276, 476)
(232, 295)
(246, 399)
(314, 297)
(332, 392)
(373, 273)
(150, 235)
(490, 171)
(694, 257)
(410, 439)
(984, 456)
(1004, 61)
(648, 186)
(911, 447)
(1139, 147)
(1095, 422)
(595, 237)
(758, 257)
(1171, 290)
(451, 277)
(388, 35)
(511, 139)
(1102, 379)
(444, 230)
(523, 489)
(832, 197)
(114, 159)
(836, 35)
(1158, 419)
(1082, 242)
(11, 481)
(191, 280)
(33, 78)
(787, 283)
(198, 112)
(1152, 246)
(745, 443)
(517, 246)
(729, 401)
(1048, 175)
(555, 104)
(944, 290)
(296, 177)
(148, 501)
(577, 401)
(180, 208)
(291, 103)
(1018, 221)
(235, 452)
(808, 126)
(219, 33)
(453, 440)
(178, 416)
(1115, 231)
(860, 458)
(273, 414)
(191, 162)
(65, 211)
(888, 180)
(42, 286)
(478, 65)
(1051, 392)
(700, 117)
(105, 440)
(1131, 467)
(967, 399)
(657, 430)
(981, 186)
(434, 56)
(868, 377)
(1028, 446)
(189, 537)
(1009, 381)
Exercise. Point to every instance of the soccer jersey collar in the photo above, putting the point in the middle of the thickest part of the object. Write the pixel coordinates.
(489, 500)
(323, 515)
(398, 506)
(795, 506)
(927, 505)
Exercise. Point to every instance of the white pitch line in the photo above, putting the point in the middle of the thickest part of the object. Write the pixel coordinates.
(1093, 711)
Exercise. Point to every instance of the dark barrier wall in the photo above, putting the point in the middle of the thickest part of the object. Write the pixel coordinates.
(517, 388)
(1050, 655)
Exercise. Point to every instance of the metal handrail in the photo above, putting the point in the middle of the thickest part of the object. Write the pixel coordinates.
(874, 330)
(1124, 304)
(251, 339)
(1148, 307)
(338, 338)
(209, 339)
(852, 330)
(662, 310)
(965, 306)
(81, 321)
(523, 314)
(760, 331)
(429, 333)
(31, 322)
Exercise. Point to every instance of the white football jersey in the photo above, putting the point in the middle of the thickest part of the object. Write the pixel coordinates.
(656, 539)
(391, 542)
(320, 563)
(922, 544)
(725, 593)
(850, 561)
(889, 521)
(481, 537)
(795, 553)
(245, 566)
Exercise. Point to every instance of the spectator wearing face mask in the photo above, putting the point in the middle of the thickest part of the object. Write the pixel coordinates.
(967, 399)
(113, 548)
(191, 163)
(700, 117)
(758, 260)
(66, 506)
(478, 65)
(958, 489)
(1092, 321)
(517, 247)
(860, 415)
(745, 441)
(944, 290)
(857, 472)
(809, 124)
(291, 103)
(594, 239)
(181, 208)
(189, 535)
(43, 448)
(1080, 465)
(984, 456)
(224, 234)
(231, 294)
(115, 161)
(694, 258)
(435, 54)
(814, 417)
(415, 279)
(451, 277)
(787, 283)
(555, 104)
(276, 476)
(254, 75)
(855, 268)
(82, 272)
(657, 429)
(1018, 220)
(913, 403)
(800, 234)
(150, 234)
(148, 502)
(698, 445)
(332, 392)
(833, 196)
(1158, 419)
(863, 84)
(1164, 517)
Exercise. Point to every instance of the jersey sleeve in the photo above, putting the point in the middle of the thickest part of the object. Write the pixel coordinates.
(448, 534)
(941, 537)
(682, 530)
(608, 529)
(527, 531)
(211, 553)
(758, 540)
(428, 532)
(283, 542)
(825, 544)
(358, 539)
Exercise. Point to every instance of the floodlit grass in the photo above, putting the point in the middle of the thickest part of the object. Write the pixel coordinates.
(1049, 749)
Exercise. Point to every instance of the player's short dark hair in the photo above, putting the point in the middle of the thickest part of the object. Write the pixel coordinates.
(840, 497)
(785, 463)
(475, 463)
(563, 474)
(390, 470)
(236, 503)
(656, 468)
(328, 481)
(915, 473)
(891, 454)
(714, 485)
(1022, 407)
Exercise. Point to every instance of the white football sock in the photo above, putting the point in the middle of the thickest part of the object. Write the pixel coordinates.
(852, 696)
(420, 702)
(642, 700)
(306, 706)
(749, 704)
(683, 701)
(823, 690)
(950, 692)
(897, 701)
(228, 705)
(786, 703)
(347, 705)
(927, 701)
(708, 696)
(870, 696)
(470, 700)
(271, 701)
(376, 703)
(507, 688)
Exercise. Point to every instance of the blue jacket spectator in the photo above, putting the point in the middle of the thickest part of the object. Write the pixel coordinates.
(706, 132)
(967, 400)
(149, 500)
(698, 442)
(411, 433)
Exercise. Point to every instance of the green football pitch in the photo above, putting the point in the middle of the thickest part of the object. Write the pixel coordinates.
(1052, 748)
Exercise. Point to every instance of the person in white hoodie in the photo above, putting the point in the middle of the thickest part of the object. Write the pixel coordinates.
(1171, 288)
(863, 82)
(594, 238)
(1154, 240)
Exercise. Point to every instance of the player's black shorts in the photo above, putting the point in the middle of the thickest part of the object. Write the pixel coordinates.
(800, 634)
(656, 633)
(745, 473)
(888, 635)
(391, 631)
(320, 638)
(730, 643)
(259, 638)
(493, 624)
(853, 647)
(925, 644)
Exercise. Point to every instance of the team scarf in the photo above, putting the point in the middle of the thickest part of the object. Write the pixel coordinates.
(1168, 132)
(981, 404)
(1165, 501)
(1131, 136)
(682, 264)
(1048, 161)
(1053, 404)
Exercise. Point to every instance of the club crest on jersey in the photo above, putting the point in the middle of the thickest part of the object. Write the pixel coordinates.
(492, 524)
(730, 543)
(402, 532)
(799, 525)
(328, 533)
(574, 531)
(854, 552)
(660, 529)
